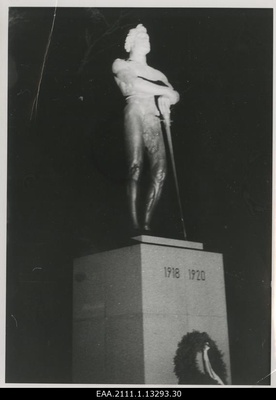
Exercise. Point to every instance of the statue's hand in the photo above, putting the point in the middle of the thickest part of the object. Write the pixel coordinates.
(164, 105)
(175, 97)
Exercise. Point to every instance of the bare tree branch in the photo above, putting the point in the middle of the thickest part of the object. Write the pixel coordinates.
(35, 102)
(110, 28)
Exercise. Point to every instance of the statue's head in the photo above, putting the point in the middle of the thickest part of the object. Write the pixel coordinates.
(137, 38)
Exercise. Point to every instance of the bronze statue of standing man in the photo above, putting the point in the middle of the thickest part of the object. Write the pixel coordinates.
(149, 97)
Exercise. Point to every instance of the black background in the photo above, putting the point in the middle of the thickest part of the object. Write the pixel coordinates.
(67, 173)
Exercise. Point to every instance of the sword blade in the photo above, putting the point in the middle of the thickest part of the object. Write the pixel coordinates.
(170, 145)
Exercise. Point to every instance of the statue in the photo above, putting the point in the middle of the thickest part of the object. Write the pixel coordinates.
(149, 97)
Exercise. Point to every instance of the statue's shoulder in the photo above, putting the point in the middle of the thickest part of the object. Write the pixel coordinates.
(119, 64)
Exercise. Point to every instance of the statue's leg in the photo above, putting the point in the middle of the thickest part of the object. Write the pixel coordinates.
(134, 150)
(158, 166)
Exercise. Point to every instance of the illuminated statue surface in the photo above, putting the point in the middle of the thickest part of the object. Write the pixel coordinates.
(149, 97)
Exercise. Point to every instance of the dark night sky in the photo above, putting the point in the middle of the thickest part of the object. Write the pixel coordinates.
(66, 167)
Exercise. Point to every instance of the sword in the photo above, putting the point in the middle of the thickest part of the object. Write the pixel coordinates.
(167, 124)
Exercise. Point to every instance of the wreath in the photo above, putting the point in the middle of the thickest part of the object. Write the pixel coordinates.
(186, 365)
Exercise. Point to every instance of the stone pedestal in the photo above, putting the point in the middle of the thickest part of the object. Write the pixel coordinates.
(133, 305)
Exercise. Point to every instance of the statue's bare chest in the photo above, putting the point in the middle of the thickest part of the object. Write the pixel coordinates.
(145, 71)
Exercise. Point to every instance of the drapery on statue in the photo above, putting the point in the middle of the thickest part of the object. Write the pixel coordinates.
(149, 97)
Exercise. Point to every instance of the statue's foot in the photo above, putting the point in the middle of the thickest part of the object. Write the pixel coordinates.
(136, 230)
(136, 227)
(147, 228)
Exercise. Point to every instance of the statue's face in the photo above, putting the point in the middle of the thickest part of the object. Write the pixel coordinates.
(141, 43)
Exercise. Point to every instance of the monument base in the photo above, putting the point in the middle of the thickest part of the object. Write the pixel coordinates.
(133, 305)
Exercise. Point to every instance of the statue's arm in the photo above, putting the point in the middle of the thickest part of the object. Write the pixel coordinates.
(139, 84)
(167, 83)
